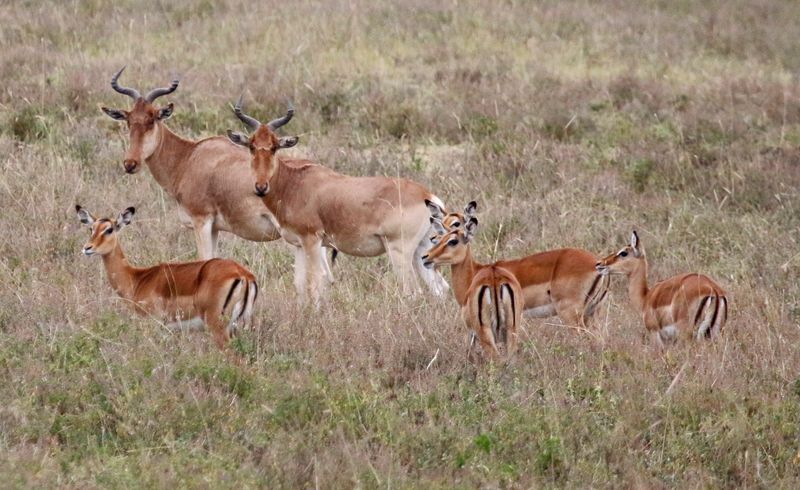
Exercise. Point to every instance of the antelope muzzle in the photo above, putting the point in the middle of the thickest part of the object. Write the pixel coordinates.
(261, 190)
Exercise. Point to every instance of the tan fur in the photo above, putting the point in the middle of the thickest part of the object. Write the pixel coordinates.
(562, 282)
(686, 301)
(360, 216)
(179, 291)
(494, 307)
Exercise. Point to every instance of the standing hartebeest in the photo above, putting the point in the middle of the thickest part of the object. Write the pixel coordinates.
(218, 292)
(360, 216)
(210, 178)
(683, 306)
(560, 282)
(490, 295)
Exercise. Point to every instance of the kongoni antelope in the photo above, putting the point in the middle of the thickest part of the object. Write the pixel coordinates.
(360, 216)
(490, 296)
(210, 179)
(561, 282)
(218, 292)
(683, 306)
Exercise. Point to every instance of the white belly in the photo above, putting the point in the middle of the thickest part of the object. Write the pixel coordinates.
(669, 333)
(543, 311)
(195, 323)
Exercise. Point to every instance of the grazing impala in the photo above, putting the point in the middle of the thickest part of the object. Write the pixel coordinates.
(490, 296)
(560, 282)
(211, 178)
(683, 306)
(218, 293)
(360, 216)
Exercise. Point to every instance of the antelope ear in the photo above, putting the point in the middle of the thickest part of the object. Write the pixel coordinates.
(634, 240)
(288, 141)
(116, 114)
(239, 138)
(125, 217)
(437, 226)
(470, 209)
(436, 211)
(165, 112)
(84, 215)
(470, 228)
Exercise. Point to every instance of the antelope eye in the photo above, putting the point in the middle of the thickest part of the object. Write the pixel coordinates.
(434, 239)
(624, 253)
(109, 230)
(453, 242)
(455, 224)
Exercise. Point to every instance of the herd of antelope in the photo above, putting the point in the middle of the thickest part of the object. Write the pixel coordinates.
(243, 185)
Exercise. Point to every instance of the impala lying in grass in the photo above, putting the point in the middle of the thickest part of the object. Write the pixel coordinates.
(683, 306)
(490, 296)
(360, 216)
(218, 293)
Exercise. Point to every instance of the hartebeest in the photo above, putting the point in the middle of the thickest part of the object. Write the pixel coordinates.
(490, 296)
(218, 292)
(210, 178)
(683, 306)
(360, 216)
(560, 282)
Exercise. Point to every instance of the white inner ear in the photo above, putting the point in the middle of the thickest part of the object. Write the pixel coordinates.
(634, 240)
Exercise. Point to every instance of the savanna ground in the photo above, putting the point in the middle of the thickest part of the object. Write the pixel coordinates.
(569, 122)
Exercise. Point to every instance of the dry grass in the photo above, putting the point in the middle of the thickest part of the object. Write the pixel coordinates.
(569, 123)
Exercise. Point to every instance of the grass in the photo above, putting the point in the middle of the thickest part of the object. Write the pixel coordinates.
(569, 124)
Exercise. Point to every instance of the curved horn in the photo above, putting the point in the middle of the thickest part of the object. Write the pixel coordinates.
(130, 92)
(276, 123)
(158, 92)
(250, 121)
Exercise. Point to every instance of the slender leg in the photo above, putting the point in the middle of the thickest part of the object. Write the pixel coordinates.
(326, 267)
(570, 314)
(300, 281)
(402, 265)
(214, 241)
(203, 236)
(312, 248)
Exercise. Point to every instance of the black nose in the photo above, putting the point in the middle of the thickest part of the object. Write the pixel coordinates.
(261, 191)
(130, 166)
(424, 256)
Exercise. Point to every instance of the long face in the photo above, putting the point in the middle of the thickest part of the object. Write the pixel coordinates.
(263, 145)
(451, 246)
(142, 120)
(103, 239)
(624, 261)
(143, 131)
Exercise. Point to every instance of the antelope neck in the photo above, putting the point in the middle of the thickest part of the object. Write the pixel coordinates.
(637, 285)
(167, 161)
(463, 273)
(119, 271)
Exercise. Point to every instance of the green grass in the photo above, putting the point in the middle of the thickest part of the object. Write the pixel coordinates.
(570, 125)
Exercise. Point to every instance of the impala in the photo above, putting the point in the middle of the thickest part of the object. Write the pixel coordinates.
(683, 306)
(490, 296)
(210, 178)
(560, 282)
(218, 292)
(360, 216)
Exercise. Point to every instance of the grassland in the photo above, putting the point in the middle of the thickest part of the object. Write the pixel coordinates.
(570, 122)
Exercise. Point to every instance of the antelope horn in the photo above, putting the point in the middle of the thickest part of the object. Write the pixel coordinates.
(158, 92)
(276, 123)
(130, 92)
(250, 121)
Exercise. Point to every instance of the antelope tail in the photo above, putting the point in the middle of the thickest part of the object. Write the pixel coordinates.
(239, 302)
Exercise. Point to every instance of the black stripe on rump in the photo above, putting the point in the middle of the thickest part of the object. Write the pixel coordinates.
(713, 318)
(700, 309)
(481, 292)
(244, 302)
(230, 293)
(591, 289)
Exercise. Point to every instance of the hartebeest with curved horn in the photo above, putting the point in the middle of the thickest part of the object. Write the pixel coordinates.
(218, 292)
(683, 306)
(210, 178)
(360, 216)
(560, 282)
(490, 296)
